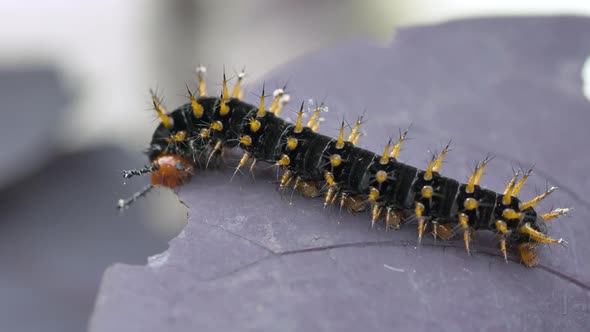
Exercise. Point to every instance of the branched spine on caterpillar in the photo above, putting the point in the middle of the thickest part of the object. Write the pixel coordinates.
(355, 178)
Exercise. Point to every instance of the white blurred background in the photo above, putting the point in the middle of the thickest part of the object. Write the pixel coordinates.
(110, 52)
(102, 57)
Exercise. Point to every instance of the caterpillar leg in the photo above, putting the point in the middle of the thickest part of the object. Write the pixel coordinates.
(308, 189)
(393, 219)
(443, 231)
(528, 254)
(354, 203)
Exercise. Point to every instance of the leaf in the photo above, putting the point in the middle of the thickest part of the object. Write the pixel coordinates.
(248, 260)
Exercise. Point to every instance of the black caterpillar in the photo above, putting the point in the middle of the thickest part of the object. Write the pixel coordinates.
(359, 180)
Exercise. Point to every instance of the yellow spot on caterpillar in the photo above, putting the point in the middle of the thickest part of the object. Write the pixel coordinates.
(166, 119)
(340, 141)
(330, 195)
(254, 125)
(536, 200)
(511, 214)
(299, 124)
(427, 191)
(284, 160)
(536, 235)
(178, 137)
(223, 108)
(286, 179)
(373, 194)
(246, 140)
(440, 158)
(398, 145)
(385, 157)
(204, 133)
(244, 160)
(418, 209)
(381, 176)
(197, 108)
(470, 203)
(292, 143)
(217, 126)
(335, 160)
(501, 226)
(329, 177)
(555, 213)
(201, 71)
(464, 222)
(261, 112)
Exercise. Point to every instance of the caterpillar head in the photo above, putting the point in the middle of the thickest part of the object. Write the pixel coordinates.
(171, 170)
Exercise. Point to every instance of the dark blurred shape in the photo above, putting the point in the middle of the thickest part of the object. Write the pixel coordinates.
(59, 231)
(32, 100)
(249, 261)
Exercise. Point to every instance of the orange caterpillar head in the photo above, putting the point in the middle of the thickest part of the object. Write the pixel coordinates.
(171, 170)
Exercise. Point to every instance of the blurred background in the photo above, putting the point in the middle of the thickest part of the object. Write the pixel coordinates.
(74, 80)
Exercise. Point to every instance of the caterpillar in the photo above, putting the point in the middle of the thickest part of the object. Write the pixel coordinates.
(195, 134)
